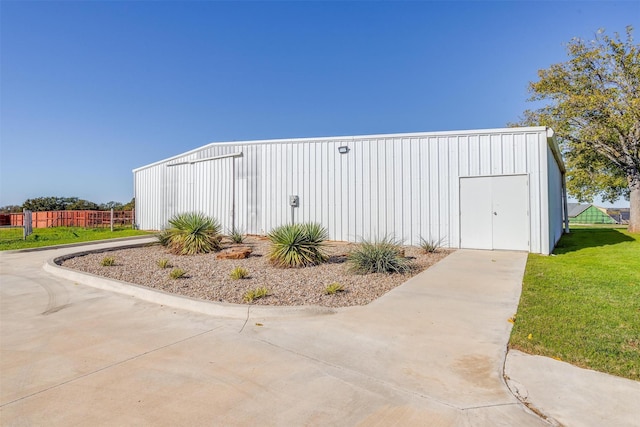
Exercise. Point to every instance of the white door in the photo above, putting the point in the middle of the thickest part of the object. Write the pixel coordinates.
(494, 212)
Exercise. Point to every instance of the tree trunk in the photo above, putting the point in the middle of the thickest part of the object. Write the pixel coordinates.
(634, 214)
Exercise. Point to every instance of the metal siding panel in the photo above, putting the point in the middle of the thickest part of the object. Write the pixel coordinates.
(463, 155)
(443, 190)
(416, 189)
(279, 184)
(533, 167)
(474, 155)
(343, 183)
(398, 194)
(365, 213)
(266, 187)
(307, 202)
(380, 190)
(354, 187)
(521, 162)
(508, 163)
(485, 155)
(454, 187)
(317, 182)
(424, 187)
(331, 193)
(407, 188)
(555, 200)
(325, 173)
(389, 184)
(434, 187)
(293, 178)
(496, 155)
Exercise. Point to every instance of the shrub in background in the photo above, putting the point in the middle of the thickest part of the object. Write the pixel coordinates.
(191, 233)
(298, 245)
(378, 256)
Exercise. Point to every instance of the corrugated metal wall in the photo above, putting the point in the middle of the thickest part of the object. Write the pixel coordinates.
(402, 185)
(556, 202)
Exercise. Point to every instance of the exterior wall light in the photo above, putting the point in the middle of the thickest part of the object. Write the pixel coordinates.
(343, 150)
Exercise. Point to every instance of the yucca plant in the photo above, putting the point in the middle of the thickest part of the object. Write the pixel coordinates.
(430, 245)
(298, 245)
(378, 256)
(235, 235)
(191, 233)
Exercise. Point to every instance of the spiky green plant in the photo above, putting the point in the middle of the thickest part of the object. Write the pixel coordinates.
(333, 288)
(177, 273)
(191, 233)
(236, 235)
(255, 294)
(164, 263)
(430, 245)
(108, 261)
(378, 256)
(239, 273)
(298, 245)
(164, 237)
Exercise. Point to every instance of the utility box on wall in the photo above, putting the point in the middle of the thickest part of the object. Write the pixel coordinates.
(407, 185)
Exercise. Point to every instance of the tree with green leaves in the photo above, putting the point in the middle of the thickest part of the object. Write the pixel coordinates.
(592, 102)
(11, 209)
(116, 206)
(51, 203)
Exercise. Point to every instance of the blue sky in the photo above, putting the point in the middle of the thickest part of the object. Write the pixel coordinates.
(90, 90)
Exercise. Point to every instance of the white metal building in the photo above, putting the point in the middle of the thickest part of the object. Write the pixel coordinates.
(482, 189)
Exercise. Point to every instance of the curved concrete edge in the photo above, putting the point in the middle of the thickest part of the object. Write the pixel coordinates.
(218, 309)
(565, 394)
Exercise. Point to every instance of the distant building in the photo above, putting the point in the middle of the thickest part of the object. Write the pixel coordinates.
(588, 214)
(620, 215)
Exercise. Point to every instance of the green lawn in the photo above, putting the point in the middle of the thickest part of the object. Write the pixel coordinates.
(11, 238)
(582, 305)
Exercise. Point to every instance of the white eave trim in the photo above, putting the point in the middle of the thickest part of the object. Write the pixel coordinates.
(190, 162)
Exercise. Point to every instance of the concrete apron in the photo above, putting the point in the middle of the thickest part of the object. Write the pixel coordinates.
(430, 352)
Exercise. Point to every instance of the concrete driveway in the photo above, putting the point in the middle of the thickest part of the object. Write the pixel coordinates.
(430, 352)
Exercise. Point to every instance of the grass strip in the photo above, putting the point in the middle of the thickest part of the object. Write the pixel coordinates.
(582, 304)
(11, 238)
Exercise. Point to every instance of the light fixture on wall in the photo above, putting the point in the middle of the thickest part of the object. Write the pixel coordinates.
(343, 149)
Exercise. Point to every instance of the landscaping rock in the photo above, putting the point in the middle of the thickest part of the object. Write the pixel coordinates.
(240, 252)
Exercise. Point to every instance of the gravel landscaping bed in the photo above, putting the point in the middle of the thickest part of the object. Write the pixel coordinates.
(208, 278)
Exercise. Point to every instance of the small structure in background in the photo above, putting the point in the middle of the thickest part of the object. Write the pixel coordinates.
(590, 214)
(620, 215)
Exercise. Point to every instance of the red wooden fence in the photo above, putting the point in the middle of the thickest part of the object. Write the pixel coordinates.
(70, 219)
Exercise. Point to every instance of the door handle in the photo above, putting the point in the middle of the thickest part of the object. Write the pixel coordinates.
(495, 213)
